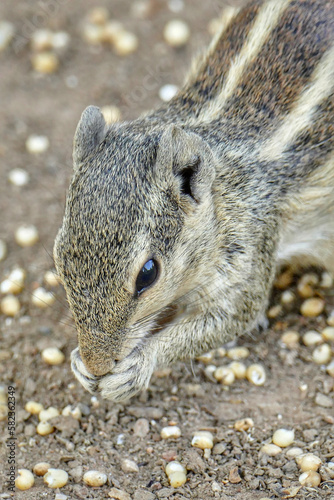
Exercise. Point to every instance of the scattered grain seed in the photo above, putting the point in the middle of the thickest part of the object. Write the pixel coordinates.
(176, 33)
(310, 479)
(310, 279)
(56, 478)
(284, 280)
(69, 411)
(44, 428)
(312, 338)
(14, 283)
(328, 333)
(209, 371)
(41, 468)
(177, 479)
(326, 280)
(287, 297)
(61, 496)
(51, 278)
(18, 177)
(224, 375)
(274, 311)
(294, 452)
(202, 440)
(33, 407)
(271, 449)
(41, 40)
(111, 114)
(53, 356)
(221, 352)
(174, 466)
(111, 31)
(239, 369)
(283, 437)
(322, 354)
(125, 43)
(305, 290)
(26, 236)
(37, 144)
(25, 480)
(42, 298)
(129, 466)
(330, 319)
(7, 31)
(308, 461)
(206, 358)
(167, 92)
(290, 339)
(330, 368)
(45, 62)
(45, 415)
(93, 34)
(98, 15)
(256, 374)
(3, 250)
(60, 40)
(244, 425)
(170, 432)
(10, 305)
(237, 353)
(94, 478)
(311, 308)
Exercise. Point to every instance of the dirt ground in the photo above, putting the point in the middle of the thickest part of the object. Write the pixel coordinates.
(298, 394)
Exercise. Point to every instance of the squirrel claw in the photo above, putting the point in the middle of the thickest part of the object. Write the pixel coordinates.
(88, 380)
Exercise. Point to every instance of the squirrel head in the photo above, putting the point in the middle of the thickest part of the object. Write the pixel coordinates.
(137, 230)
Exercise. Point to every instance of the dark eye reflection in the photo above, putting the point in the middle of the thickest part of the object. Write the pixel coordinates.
(147, 275)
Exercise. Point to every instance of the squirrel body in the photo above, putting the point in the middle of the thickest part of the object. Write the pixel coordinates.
(204, 197)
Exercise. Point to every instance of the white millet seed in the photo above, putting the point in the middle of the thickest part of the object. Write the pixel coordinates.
(129, 466)
(305, 290)
(42, 298)
(326, 280)
(111, 114)
(206, 358)
(7, 31)
(284, 280)
(176, 33)
(312, 338)
(37, 144)
(274, 311)
(25, 480)
(283, 437)
(290, 339)
(313, 307)
(202, 440)
(56, 478)
(310, 479)
(111, 31)
(41, 468)
(209, 371)
(3, 250)
(224, 375)
(221, 352)
(94, 478)
(60, 40)
(239, 369)
(271, 449)
(33, 407)
(322, 354)
(51, 278)
(45, 63)
(10, 305)
(26, 236)
(330, 368)
(237, 353)
(41, 40)
(256, 374)
(98, 15)
(310, 279)
(18, 177)
(69, 411)
(328, 333)
(244, 425)
(44, 428)
(15, 282)
(93, 34)
(177, 479)
(308, 461)
(45, 415)
(170, 432)
(287, 297)
(125, 43)
(174, 466)
(167, 92)
(53, 356)
(294, 452)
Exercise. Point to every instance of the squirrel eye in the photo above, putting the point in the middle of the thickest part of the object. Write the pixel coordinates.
(147, 275)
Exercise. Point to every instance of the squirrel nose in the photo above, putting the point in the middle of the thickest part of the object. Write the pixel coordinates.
(97, 357)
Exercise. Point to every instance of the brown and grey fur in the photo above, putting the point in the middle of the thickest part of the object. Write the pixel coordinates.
(221, 185)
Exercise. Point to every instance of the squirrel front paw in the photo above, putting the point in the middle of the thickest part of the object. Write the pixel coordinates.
(130, 376)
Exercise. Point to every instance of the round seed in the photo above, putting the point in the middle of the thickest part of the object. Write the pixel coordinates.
(330, 368)
(322, 354)
(167, 92)
(41, 468)
(25, 480)
(42, 298)
(256, 374)
(310, 479)
(206, 358)
(209, 371)
(41, 40)
(33, 407)
(45, 415)
(53, 356)
(239, 369)
(326, 280)
(237, 353)
(44, 428)
(170, 432)
(294, 452)
(202, 440)
(93, 34)
(3, 250)
(287, 297)
(284, 280)
(111, 31)
(51, 278)
(176, 33)
(311, 308)
(177, 479)
(56, 478)
(221, 352)
(308, 461)
(305, 290)
(60, 40)
(37, 144)
(312, 338)
(274, 311)
(283, 437)
(290, 339)
(174, 466)
(271, 450)
(69, 411)
(45, 62)
(330, 319)
(26, 236)
(224, 375)
(328, 333)
(10, 305)
(129, 466)
(125, 43)
(18, 177)
(94, 478)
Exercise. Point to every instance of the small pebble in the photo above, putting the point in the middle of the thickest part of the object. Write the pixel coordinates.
(94, 478)
(283, 437)
(45, 415)
(322, 354)
(51, 278)
(310, 479)
(176, 33)
(118, 494)
(311, 308)
(3, 250)
(239, 369)
(45, 62)
(141, 427)
(37, 144)
(202, 440)
(111, 114)
(170, 432)
(41, 468)
(312, 338)
(44, 428)
(237, 353)
(53, 356)
(224, 375)
(323, 400)
(167, 92)
(25, 480)
(10, 305)
(271, 449)
(290, 339)
(129, 466)
(256, 374)
(294, 452)
(33, 407)
(42, 298)
(7, 31)
(56, 478)
(308, 461)
(328, 334)
(125, 43)
(26, 236)
(18, 177)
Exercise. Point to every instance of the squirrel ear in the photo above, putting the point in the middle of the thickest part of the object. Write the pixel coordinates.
(88, 135)
(190, 161)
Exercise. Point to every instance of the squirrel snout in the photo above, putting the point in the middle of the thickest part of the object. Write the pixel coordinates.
(98, 360)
